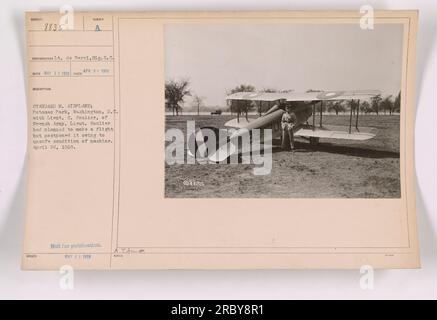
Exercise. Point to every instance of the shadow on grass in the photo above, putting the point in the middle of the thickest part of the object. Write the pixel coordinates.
(303, 147)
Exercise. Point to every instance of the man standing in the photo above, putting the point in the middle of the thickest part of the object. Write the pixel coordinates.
(288, 122)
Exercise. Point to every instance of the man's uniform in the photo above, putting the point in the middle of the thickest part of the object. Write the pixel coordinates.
(288, 122)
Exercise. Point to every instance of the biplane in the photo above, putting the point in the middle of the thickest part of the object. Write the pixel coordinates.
(304, 107)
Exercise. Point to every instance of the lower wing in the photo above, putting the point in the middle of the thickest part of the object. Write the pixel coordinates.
(336, 132)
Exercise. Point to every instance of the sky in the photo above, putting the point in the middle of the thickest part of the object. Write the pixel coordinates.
(283, 56)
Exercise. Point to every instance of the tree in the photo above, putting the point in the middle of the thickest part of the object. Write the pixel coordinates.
(175, 92)
(241, 106)
(375, 103)
(243, 88)
(397, 103)
(336, 106)
(365, 107)
(198, 102)
(387, 104)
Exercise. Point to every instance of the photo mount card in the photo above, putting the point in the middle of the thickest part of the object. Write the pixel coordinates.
(221, 140)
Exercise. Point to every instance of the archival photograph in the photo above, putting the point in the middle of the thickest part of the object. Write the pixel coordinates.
(282, 110)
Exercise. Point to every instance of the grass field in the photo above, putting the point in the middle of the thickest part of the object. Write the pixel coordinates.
(332, 169)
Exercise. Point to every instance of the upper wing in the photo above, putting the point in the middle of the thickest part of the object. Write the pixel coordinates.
(257, 96)
(306, 96)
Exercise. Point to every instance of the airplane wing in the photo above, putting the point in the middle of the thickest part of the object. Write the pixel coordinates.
(238, 123)
(257, 96)
(275, 114)
(306, 96)
(336, 132)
